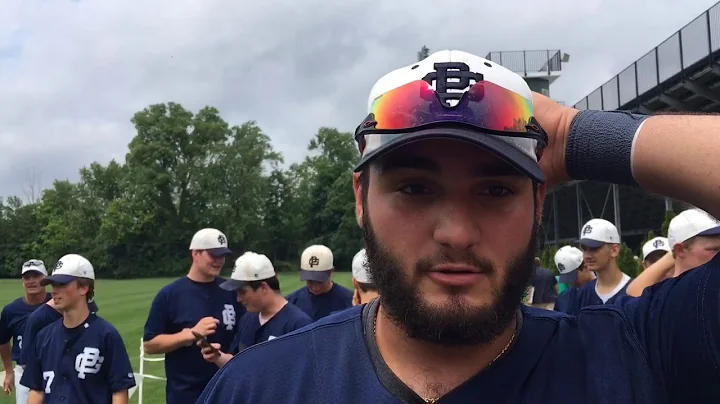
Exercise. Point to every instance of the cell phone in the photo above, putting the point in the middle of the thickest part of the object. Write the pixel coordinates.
(203, 341)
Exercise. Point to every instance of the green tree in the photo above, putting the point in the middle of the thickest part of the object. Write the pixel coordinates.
(669, 215)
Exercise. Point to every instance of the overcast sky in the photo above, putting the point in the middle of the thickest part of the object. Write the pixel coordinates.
(72, 73)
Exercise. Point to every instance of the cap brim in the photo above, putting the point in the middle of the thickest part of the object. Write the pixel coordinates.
(219, 252)
(232, 284)
(318, 276)
(715, 231)
(26, 271)
(57, 279)
(569, 277)
(492, 143)
(586, 242)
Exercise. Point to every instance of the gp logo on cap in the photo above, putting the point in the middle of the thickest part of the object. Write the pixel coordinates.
(587, 230)
(314, 261)
(658, 243)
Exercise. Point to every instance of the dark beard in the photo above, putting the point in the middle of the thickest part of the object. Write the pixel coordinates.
(455, 322)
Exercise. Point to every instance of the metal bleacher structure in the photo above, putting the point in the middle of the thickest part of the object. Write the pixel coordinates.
(682, 74)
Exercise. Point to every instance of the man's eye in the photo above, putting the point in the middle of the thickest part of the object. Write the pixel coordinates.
(414, 189)
(497, 190)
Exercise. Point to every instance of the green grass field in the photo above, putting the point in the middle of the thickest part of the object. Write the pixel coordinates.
(125, 304)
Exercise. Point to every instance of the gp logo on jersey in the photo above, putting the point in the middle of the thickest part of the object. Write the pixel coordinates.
(228, 316)
(88, 361)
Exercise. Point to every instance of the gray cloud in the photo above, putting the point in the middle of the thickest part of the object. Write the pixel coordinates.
(73, 73)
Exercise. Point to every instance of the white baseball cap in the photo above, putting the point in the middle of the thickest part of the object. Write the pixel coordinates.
(454, 95)
(69, 268)
(359, 267)
(34, 265)
(691, 223)
(316, 263)
(597, 232)
(249, 267)
(211, 240)
(656, 244)
(567, 260)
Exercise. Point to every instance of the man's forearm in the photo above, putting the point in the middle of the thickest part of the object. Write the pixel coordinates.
(653, 274)
(6, 356)
(120, 397)
(165, 343)
(679, 156)
(35, 397)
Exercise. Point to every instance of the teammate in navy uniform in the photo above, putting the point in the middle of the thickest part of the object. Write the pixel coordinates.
(653, 250)
(365, 290)
(12, 323)
(449, 193)
(569, 262)
(694, 239)
(600, 242)
(42, 317)
(321, 296)
(193, 303)
(268, 315)
(81, 358)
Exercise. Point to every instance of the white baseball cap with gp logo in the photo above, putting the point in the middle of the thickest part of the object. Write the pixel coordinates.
(249, 267)
(69, 268)
(316, 263)
(211, 240)
(359, 267)
(691, 223)
(656, 244)
(598, 232)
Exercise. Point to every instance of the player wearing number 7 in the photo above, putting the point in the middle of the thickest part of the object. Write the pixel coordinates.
(80, 359)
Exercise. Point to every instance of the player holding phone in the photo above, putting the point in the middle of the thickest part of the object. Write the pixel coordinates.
(193, 304)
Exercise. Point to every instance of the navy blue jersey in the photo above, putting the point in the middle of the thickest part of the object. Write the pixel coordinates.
(544, 283)
(12, 323)
(658, 348)
(250, 332)
(42, 317)
(567, 301)
(83, 365)
(318, 306)
(180, 305)
(587, 296)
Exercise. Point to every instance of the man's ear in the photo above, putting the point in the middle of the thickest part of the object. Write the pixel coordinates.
(357, 190)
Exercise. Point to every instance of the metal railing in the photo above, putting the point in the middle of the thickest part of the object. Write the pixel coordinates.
(692, 43)
(528, 61)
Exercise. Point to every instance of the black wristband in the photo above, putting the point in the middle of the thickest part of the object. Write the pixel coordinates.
(599, 146)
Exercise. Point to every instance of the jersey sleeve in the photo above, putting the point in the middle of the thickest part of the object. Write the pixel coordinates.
(32, 377)
(5, 331)
(120, 374)
(292, 297)
(678, 323)
(301, 322)
(29, 334)
(156, 323)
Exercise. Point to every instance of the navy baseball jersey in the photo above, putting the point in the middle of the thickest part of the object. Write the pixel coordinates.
(567, 301)
(180, 305)
(83, 365)
(338, 298)
(42, 317)
(587, 296)
(12, 323)
(250, 332)
(657, 348)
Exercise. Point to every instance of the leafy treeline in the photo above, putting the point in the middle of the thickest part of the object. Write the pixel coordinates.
(183, 172)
